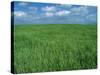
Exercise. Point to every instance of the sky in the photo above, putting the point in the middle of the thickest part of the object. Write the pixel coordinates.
(48, 13)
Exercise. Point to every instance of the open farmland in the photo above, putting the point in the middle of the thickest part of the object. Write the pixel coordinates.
(40, 48)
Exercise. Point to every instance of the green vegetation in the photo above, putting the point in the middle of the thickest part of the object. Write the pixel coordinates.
(39, 48)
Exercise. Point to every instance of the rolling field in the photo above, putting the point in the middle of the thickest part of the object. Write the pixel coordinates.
(39, 48)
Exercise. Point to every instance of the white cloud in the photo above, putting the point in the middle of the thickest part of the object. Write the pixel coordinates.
(62, 13)
(23, 3)
(82, 10)
(49, 14)
(20, 14)
(49, 8)
(92, 17)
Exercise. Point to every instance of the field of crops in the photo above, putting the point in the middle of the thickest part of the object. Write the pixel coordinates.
(39, 48)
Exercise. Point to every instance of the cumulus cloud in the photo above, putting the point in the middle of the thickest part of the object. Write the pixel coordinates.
(59, 13)
(62, 13)
(20, 13)
(49, 14)
(82, 10)
(92, 17)
(49, 8)
(23, 3)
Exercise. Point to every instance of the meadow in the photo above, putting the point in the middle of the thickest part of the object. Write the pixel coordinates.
(52, 47)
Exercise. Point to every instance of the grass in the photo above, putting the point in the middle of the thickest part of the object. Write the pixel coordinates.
(40, 48)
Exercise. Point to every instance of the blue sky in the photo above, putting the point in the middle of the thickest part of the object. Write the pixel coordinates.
(47, 13)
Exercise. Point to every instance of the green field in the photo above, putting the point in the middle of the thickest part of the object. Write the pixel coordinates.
(39, 48)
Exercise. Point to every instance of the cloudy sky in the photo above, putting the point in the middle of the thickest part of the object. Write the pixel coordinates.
(47, 13)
